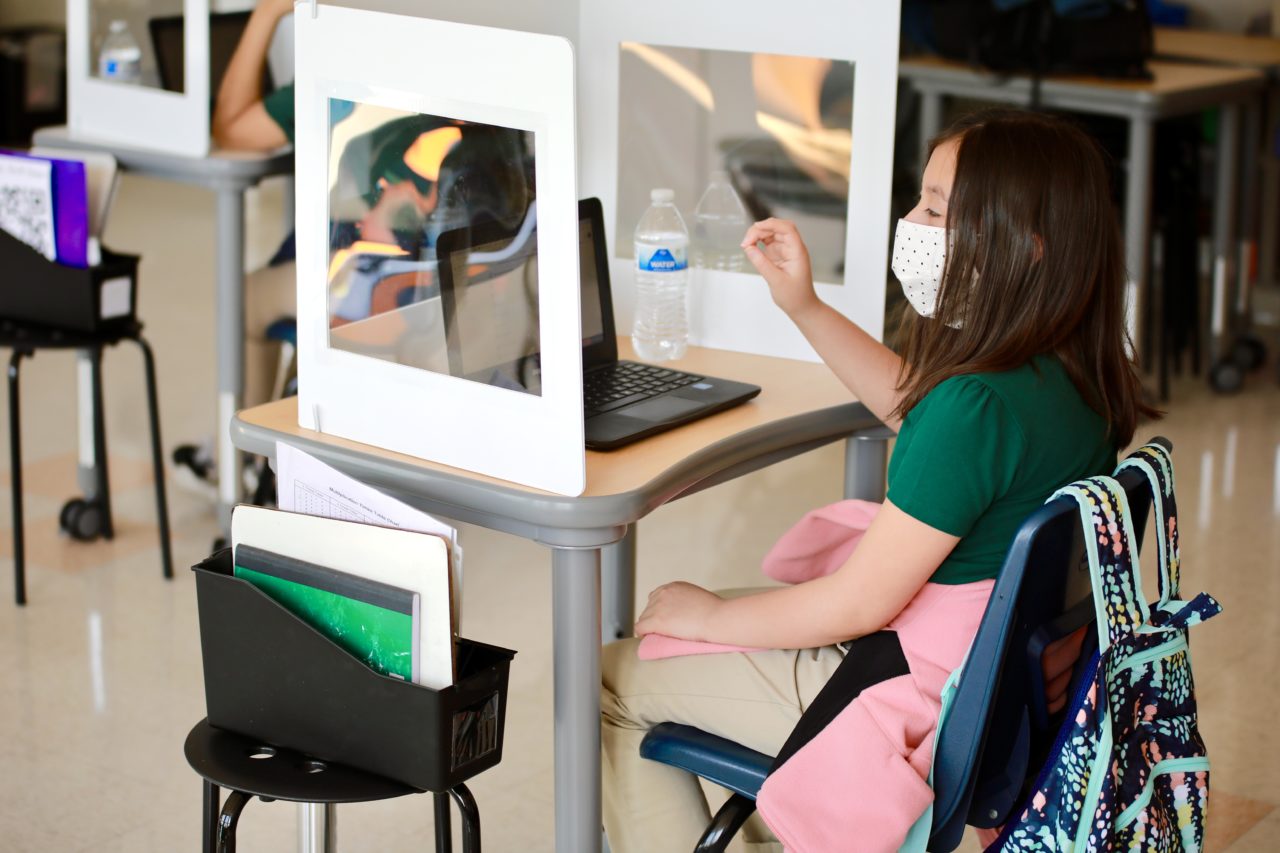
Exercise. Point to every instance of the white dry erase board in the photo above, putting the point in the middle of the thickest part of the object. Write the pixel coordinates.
(411, 132)
(149, 104)
(795, 102)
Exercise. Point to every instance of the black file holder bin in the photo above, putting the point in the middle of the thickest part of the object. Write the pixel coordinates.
(34, 289)
(270, 676)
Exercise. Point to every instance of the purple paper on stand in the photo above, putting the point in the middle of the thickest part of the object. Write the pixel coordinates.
(70, 192)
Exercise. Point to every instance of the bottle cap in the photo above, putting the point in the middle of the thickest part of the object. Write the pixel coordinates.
(662, 196)
(118, 25)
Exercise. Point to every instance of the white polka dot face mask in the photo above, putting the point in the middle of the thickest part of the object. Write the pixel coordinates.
(919, 252)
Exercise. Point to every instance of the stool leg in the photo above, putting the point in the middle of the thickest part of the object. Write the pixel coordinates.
(157, 458)
(15, 481)
(444, 828)
(209, 817)
(103, 497)
(470, 818)
(226, 841)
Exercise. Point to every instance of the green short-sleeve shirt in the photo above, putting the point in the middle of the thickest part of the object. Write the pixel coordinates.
(980, 452)
(279, 105)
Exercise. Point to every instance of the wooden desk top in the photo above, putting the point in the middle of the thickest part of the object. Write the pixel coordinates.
(801, 403)
(1260, 52)
(1170, 78)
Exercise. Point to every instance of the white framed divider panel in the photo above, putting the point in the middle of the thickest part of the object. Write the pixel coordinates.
(733, 310)
(141, 114)
(376, 364)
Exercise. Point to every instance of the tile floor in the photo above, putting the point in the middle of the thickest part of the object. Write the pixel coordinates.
(100, 674)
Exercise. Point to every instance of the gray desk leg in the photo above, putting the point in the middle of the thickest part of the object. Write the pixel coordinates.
(930, 122)
(1270, 213)
(1137, 225)
(1224, 204)
(576, 613)
(317, 828)
(229, 270)
(866, 458)
(618, 588)
(1247, 181)
(86, 456)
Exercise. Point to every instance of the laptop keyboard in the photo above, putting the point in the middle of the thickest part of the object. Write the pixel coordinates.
(628, 382)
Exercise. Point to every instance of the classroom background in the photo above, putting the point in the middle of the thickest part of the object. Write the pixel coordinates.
(101, 673)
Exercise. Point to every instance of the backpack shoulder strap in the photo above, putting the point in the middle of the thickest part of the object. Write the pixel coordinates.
(1156, 463)
(1113, 565)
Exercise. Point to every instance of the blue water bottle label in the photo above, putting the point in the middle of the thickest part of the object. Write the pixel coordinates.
(661, 260)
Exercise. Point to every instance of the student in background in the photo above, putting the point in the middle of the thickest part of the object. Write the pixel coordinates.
(244, 117)
(247, 119)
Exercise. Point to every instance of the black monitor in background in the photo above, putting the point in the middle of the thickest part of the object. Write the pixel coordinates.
(168, 41)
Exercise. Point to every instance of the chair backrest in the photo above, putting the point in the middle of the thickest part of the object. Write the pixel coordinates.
(997, 731)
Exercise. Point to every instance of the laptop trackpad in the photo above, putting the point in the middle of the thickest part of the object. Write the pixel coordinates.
(661, 409)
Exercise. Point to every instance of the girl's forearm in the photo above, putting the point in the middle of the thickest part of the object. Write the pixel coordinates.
(804, 616)
(867, 367)
(242, 82)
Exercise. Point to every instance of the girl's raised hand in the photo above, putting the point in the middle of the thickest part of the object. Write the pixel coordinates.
(776, 250)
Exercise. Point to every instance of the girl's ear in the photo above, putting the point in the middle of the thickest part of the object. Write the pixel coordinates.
(1039, 246)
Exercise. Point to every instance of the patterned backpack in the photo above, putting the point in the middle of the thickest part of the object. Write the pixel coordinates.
(1129, 770)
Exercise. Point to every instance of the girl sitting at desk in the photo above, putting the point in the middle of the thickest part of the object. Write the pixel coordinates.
(1014, 380)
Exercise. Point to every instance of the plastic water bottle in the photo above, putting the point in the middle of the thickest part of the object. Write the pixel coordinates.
(719, 223)
(120, 59)
(661, 330)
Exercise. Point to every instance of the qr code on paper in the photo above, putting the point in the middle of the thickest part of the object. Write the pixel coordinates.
(25, 214)
(26, 202)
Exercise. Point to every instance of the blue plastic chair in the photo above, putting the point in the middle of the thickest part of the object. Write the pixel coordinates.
(999, 730)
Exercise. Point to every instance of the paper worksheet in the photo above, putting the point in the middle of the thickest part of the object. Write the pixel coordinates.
(306, 485)
(26, 202)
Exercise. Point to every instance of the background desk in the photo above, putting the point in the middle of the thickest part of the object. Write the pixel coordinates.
(1261, 53)
(802, 407)
(1176, 89)
(228, 174)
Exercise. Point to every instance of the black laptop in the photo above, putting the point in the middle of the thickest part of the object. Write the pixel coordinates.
(624, 401)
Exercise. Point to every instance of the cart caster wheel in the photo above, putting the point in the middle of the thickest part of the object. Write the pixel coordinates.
(1248, 353)
(1226, 377)
(81, 520)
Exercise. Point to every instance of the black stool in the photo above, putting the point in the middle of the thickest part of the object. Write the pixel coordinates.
(249, 769)
(82, 519)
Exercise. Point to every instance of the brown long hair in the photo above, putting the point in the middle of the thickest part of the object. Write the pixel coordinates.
(1034, 265)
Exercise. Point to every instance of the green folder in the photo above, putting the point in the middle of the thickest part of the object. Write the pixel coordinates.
(376, 623)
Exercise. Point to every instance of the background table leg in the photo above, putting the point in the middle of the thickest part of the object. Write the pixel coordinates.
(229, 264)
(866, 457)
(1224, 206)
(930, 122)
(576, 613)
(1137, 229)
(618, 588)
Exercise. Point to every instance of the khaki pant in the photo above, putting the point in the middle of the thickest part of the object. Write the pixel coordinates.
(269, 294)
(754, 699)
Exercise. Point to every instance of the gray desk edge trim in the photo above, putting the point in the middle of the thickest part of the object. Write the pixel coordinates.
(588, 521)
(1077, 96)
(212, 171)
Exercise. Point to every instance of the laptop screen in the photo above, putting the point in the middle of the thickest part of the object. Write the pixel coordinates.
(489, 309)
